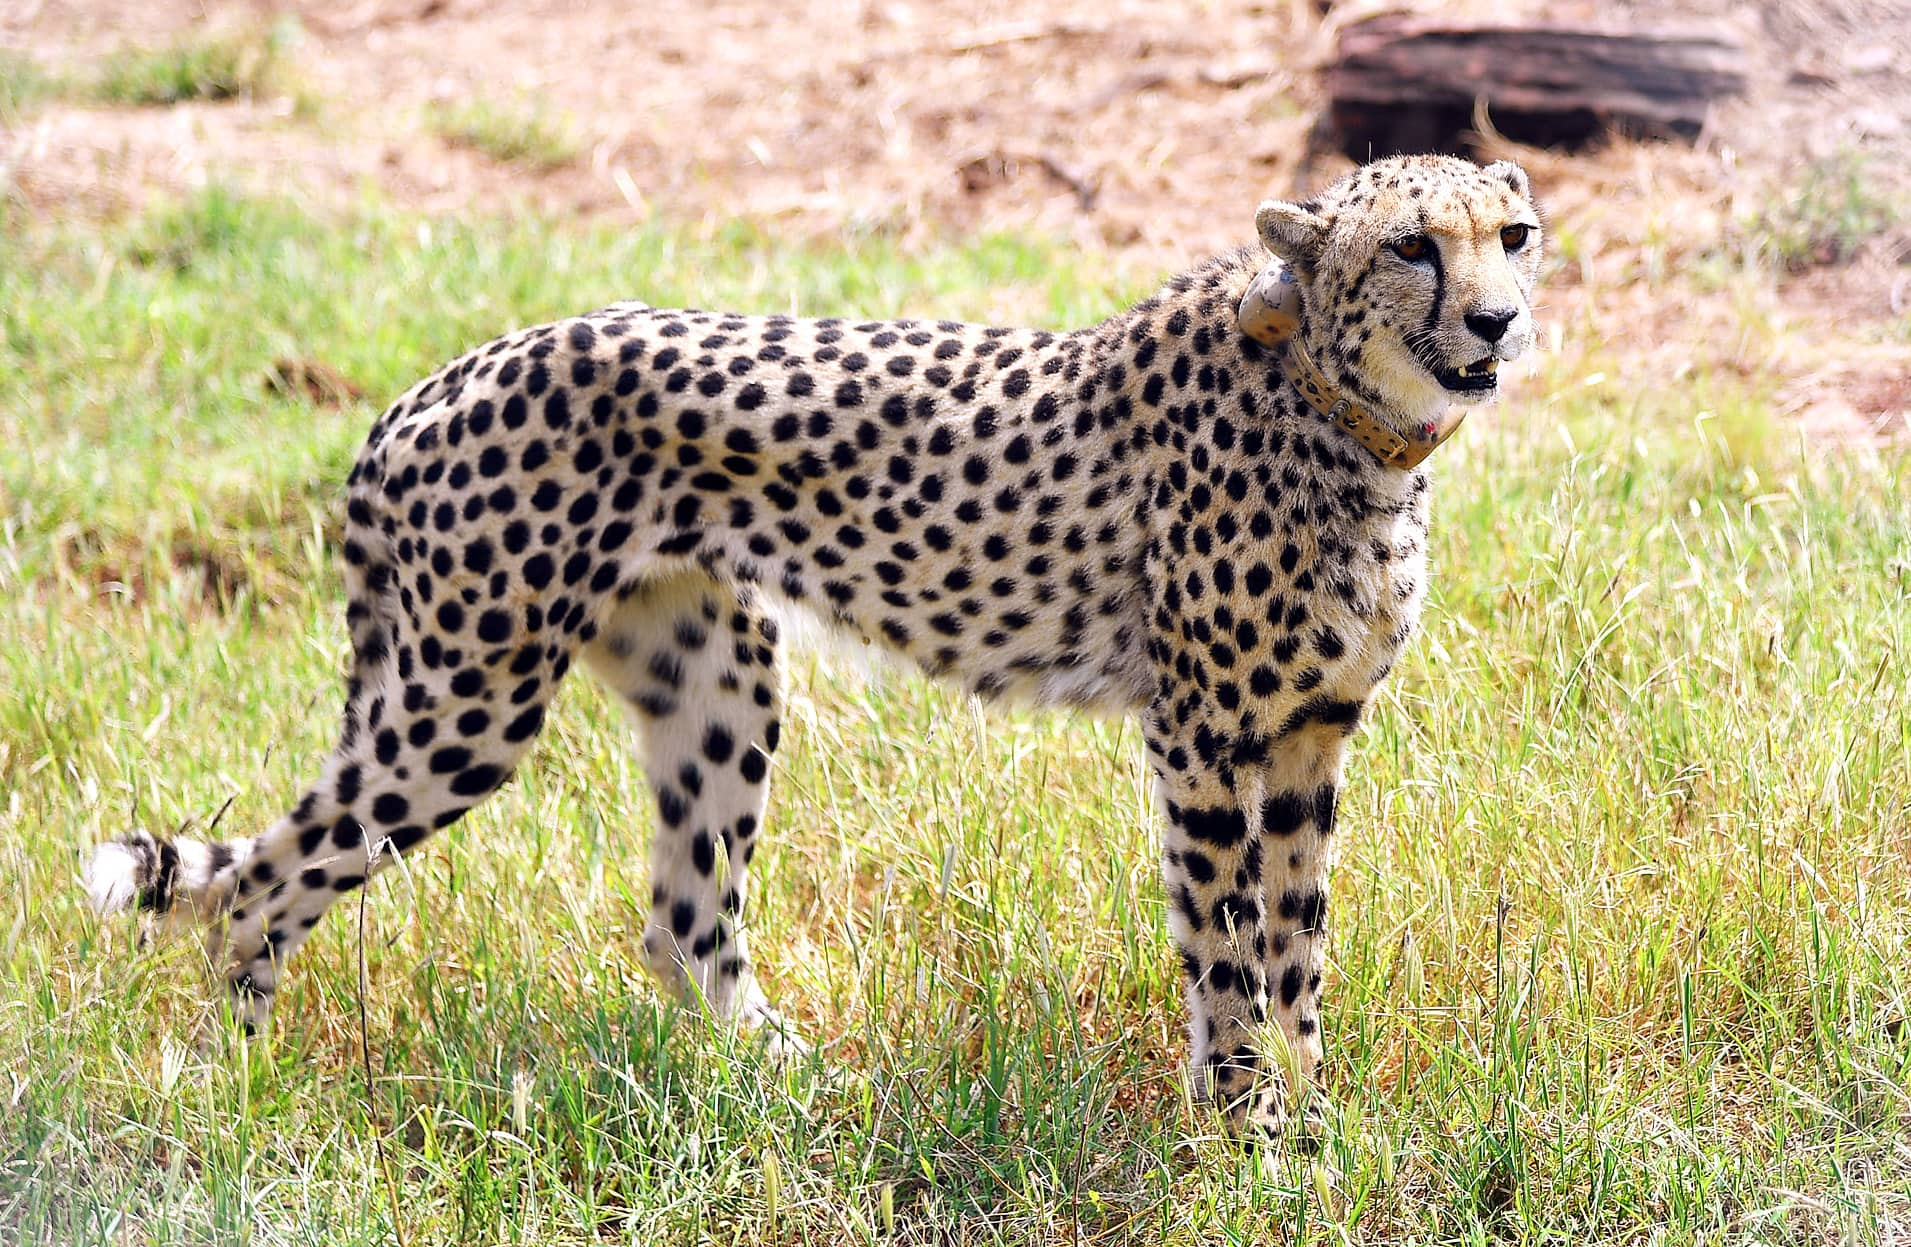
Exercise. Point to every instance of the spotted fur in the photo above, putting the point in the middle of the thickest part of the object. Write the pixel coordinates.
(1140, 517)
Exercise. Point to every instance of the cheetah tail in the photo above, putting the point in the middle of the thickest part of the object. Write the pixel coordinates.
(145, 872)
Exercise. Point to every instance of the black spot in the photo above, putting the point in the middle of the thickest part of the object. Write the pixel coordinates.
(1285, 813)
(478, 780)
(1308, 908)
(1291, 986)
(525, 725)
(1223, 826)
(345, 788)
(1325, 802)
(1324, 711)
(494, 627)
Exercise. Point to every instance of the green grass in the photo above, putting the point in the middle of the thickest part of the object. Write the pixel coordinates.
(1835, 206)
(24, 84)
(516, 135)
(1624, 917)
(216, 66)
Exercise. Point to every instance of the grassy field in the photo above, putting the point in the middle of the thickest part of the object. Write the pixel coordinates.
(1624, 919)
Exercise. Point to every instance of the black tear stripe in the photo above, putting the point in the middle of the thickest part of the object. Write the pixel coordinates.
(1439, 278)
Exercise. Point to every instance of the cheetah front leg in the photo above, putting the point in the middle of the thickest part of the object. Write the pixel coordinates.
(1301, 791)
(1245, 867)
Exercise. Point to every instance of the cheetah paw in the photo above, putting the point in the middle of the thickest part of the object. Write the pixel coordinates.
(781, 1041)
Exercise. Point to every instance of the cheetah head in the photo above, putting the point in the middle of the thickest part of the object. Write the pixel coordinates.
(1415, 275)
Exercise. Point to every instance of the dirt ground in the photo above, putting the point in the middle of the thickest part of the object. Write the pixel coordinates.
(1146, 129)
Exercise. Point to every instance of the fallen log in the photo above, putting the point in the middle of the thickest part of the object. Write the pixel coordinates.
(1405, 84)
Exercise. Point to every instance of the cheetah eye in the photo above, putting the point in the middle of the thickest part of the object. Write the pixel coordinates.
(1413, 248)
(1513, 237)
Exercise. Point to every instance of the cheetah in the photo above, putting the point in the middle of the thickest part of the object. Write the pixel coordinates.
(1180, 513)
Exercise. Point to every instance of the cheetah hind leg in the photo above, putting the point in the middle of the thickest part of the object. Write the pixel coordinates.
(415, 751)
(698, 665)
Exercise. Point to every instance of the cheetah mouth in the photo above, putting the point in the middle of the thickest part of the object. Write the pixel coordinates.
(1479, 377)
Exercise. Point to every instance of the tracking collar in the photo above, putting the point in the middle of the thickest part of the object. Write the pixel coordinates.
(1270, 314)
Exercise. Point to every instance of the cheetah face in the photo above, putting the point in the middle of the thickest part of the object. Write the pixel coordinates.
(1415, 274)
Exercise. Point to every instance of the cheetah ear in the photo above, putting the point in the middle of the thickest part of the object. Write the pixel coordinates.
(1293, 232)
(1514, 176)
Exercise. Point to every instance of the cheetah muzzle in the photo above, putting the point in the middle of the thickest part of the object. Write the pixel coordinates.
(1140, 517)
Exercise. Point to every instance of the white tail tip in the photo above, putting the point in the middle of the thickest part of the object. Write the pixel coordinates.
(112, 877)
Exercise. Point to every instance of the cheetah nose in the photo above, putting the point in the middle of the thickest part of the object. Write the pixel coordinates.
(1490, 325)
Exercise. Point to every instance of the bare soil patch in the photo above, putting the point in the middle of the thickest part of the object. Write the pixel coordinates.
(1145, 129)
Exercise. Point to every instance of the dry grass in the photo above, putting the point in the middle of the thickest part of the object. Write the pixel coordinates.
(1621, 930)
(1623, 920)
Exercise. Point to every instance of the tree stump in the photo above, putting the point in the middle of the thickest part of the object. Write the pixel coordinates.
(1409, 84)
